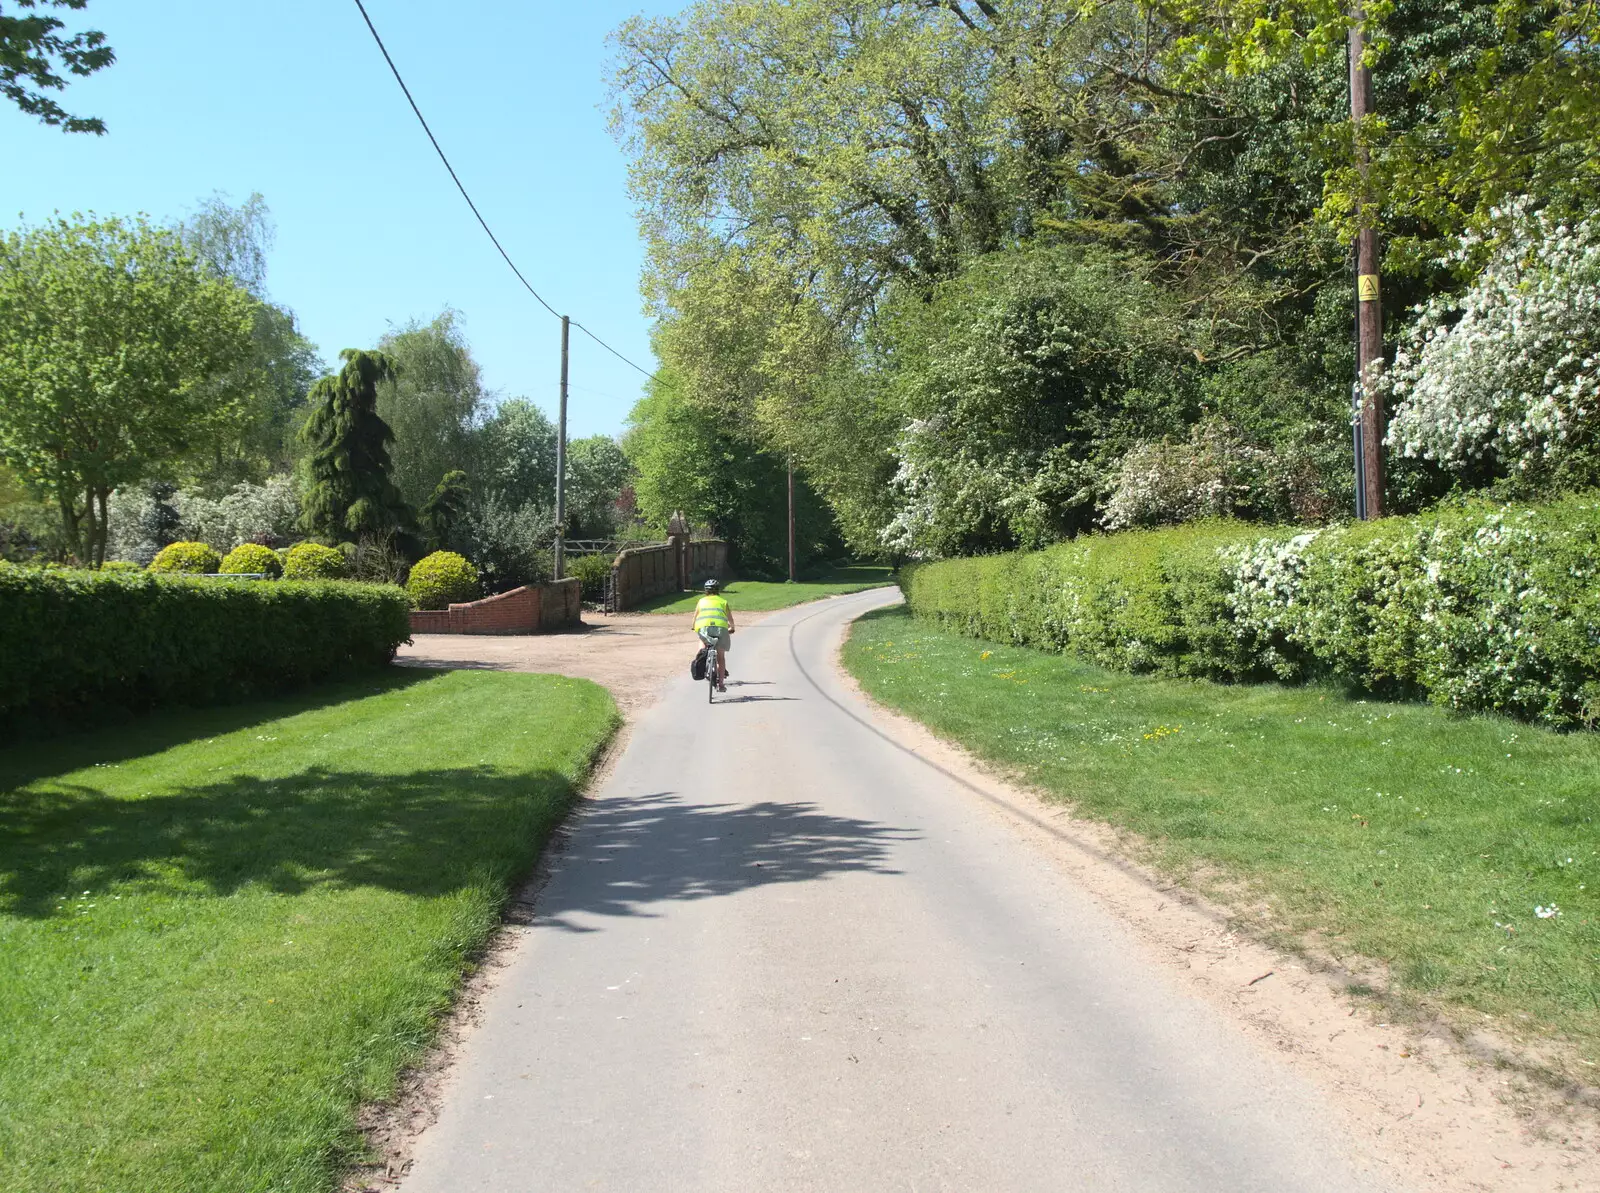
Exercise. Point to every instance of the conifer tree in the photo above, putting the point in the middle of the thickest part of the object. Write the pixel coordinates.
(349, 496)
(445, 508)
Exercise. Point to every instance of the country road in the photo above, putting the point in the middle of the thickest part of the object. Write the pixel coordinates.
(780, 952)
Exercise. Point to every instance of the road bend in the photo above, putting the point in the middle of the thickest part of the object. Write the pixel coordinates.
(779, 952)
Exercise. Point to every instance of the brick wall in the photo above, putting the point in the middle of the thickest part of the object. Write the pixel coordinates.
(533, 609)
(706, 559)
(640, 573)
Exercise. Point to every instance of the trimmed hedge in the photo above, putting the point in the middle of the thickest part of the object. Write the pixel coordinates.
(76, 640)
(193, 558)
(439, 580)
(252, 559)
(1474, 606)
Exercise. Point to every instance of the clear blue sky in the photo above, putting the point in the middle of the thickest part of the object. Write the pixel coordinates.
(293, 100)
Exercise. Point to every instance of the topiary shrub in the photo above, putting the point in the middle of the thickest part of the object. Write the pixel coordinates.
(593, 571)
(252, 559)
(190, 558)
(441, 579)
(313, 561)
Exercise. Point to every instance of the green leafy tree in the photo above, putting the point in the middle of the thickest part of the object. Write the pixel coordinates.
(29, 528)
(597, 472)
(348, 495)
(836, 196)
(434, 403)
(269, 388)
(110, 335)
(516, 454)
(685, 457)
(509, 526)
(34, 51)
(1479, 102)
(1022, 380)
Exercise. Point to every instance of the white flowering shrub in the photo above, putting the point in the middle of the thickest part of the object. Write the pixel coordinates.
(1510, 370)
(1265, 599)
(928, 482)
(126, 514)
(1212, 474)
(1476, 607)
(249, 513)
(946, 498)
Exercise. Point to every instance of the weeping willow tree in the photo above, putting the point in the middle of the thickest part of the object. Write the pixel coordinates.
(349, 495)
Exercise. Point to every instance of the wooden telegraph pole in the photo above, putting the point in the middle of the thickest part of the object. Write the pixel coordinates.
(1369, 309)
(561, 462)
(791, 519)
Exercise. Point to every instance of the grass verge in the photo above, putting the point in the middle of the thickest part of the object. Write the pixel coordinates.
(225, 930)
(1462, 851)
(762, 596)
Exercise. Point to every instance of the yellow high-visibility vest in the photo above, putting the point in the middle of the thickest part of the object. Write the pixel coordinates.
(712, 611)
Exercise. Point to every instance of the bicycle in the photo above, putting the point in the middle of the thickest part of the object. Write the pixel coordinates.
(708, 660)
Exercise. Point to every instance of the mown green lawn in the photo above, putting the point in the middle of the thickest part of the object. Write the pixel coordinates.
(761, 596)
(224, 930)
(1397, 831)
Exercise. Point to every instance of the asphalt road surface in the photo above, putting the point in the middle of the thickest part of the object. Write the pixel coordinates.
(780, 952)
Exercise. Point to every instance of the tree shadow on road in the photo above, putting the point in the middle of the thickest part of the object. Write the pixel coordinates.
(622, 856)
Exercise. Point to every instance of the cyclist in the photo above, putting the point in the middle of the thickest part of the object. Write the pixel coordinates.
(713, 625)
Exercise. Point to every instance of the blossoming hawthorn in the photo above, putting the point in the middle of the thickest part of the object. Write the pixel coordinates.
(1511, 368)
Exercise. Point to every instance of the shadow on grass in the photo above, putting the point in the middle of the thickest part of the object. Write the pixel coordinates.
(423, 833)
(132, 736)
(624, 855)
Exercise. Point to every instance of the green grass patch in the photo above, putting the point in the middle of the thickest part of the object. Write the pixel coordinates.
(224, 930)
(1400, 832)
(762, 596)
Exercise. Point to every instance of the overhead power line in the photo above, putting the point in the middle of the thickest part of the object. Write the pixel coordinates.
(488, 231)
(613, 351)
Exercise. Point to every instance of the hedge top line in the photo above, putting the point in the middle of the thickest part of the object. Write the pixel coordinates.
(1478, 606)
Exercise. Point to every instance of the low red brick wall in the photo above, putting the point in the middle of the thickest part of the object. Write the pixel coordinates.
(532, 609)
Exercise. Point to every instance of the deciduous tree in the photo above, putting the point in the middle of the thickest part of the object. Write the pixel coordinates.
(269, 387)
(34, 51)
(110, 337)
(434, 404)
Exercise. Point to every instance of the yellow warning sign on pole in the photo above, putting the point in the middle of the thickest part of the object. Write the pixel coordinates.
(1367, 287)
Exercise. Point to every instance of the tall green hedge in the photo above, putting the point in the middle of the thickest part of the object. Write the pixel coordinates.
(73, 641)
(1474, 606)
